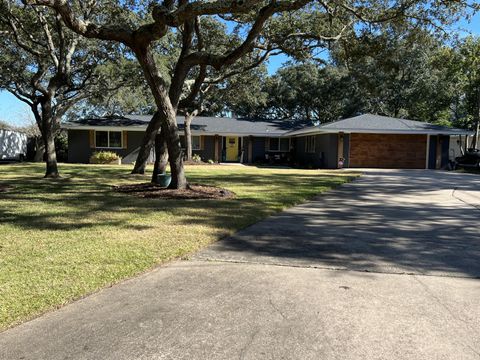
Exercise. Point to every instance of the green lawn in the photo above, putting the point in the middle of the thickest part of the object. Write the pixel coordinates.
(61, 239)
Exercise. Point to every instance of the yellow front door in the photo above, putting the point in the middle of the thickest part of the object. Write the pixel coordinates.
(232, 148)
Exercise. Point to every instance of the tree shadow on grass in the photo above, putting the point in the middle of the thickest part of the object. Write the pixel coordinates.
(72, 202)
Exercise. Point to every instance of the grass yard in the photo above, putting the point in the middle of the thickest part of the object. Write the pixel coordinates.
(61, 239)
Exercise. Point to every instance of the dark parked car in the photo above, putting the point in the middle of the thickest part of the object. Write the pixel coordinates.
(470, 159)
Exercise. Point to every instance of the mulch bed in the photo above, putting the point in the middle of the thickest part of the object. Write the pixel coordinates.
(195, 191)
(198, 163)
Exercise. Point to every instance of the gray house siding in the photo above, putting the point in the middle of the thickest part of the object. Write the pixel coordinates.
(432, 152)
(134, 141)
(346, 150)
(79, 146)
(208, 151)
(445, 150)
(325, 155)
(328, 145)
(261, 150)
(258, 149)
(433, 148)
(254, 144)
(303, 158)
(79, 150)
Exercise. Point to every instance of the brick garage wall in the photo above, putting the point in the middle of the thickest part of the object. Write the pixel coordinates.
(388, 151)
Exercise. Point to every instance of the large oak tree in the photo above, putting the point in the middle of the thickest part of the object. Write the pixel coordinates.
(47, 66)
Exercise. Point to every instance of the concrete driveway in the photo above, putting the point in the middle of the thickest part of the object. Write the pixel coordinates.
(387, 267)
(390, 221)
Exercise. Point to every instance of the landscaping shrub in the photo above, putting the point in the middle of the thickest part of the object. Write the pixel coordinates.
(104, 157)
(196, 158)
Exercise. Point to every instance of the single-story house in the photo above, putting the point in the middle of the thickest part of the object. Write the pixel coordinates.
(13, 145)
(218, 139)
(362, 141)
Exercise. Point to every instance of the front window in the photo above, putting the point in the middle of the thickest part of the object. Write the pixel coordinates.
(115, 139)
(274, 144)
(310, 144)
(284, 144)
(277, 144)
(196, 143)
(108, 139)
(101, 139)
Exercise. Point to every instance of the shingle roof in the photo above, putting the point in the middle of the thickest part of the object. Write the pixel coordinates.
(110, 121)
(200, 124)
(369, 123)
(366, 123)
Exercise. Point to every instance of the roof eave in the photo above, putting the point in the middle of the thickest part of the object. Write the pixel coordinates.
(105, 128)
(194, 132)
(364, 131)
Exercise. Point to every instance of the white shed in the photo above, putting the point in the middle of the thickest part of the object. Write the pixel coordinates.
(13, 145)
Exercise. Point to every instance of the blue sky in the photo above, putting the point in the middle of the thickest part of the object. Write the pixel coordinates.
(15, 112)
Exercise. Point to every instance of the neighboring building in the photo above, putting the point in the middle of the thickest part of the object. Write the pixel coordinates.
(13, 145)
(362, 141)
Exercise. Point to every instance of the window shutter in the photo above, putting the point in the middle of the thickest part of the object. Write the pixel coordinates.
(267, 144)
(125, 139)
(91, 135)
(202, 142)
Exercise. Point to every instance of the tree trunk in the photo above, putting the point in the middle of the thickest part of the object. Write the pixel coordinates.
(39, 149)
(50, 156)
(48, 136)
(147, 144)
(161, 156)
(188, 136)
(167, 113)
(179, 181)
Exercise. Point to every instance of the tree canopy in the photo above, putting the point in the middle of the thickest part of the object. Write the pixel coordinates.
(401, 73)
(47, 66)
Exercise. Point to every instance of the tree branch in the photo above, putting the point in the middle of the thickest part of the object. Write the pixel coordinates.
(16, 34)
(48, 36)
(84, 27)
(218, 61)
(197, 85)
(181, 68)
(191, 10)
